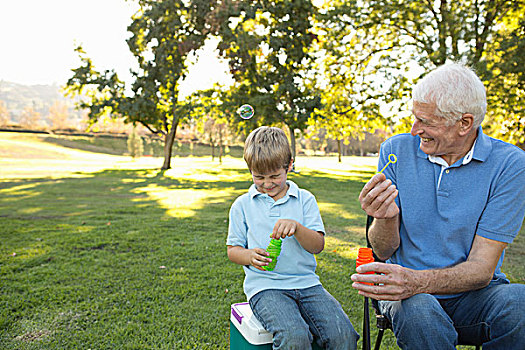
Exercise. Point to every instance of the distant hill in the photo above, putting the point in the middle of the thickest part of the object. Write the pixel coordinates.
(40, 97)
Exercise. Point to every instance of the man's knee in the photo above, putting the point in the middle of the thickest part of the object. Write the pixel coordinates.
(511, 309)
(420, 313)
(514, 296)
(416, 311)
(420, 322)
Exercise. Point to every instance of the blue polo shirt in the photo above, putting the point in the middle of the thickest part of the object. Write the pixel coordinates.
(443, 207)
(252, 218)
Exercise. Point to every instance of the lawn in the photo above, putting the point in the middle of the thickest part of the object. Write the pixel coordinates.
(103, 252)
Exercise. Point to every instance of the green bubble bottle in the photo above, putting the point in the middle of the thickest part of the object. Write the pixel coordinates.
(274, 248)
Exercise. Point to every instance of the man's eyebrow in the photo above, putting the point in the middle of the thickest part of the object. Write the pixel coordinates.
(419, 117)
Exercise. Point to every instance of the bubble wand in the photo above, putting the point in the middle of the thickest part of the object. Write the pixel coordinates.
(365, 256)
(391, 159)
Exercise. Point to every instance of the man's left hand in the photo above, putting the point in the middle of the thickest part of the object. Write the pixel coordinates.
(391, 282)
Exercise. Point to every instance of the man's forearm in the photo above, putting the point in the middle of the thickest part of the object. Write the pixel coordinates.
(463, 277)
(395, 282)
(384, 236)
(475, 273)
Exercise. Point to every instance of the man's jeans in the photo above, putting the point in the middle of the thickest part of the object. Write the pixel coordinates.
(293, 315)
(494, 315)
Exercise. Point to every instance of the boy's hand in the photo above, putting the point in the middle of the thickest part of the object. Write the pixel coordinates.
(259, 258)
(284, 228)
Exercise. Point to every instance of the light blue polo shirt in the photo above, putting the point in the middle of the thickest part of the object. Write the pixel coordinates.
(252, 218)
(442, 209)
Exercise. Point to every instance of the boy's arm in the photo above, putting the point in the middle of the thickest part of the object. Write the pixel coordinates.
(256, 257)
(312, 241)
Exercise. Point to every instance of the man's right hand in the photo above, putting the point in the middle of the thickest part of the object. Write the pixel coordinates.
(377, 198)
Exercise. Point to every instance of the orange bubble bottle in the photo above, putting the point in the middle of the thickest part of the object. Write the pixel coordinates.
(365, 256)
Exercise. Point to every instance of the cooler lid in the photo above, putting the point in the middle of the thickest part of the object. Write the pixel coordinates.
(249, 326)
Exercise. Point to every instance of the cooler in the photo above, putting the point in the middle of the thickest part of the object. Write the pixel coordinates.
(246, 332)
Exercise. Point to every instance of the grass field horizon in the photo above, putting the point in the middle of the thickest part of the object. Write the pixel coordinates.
(101, 251)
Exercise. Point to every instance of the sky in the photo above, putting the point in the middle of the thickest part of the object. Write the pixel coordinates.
(38, 38)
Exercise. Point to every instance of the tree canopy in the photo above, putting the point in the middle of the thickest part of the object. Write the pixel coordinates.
(268, 47)
(345, 67)
(484, 34)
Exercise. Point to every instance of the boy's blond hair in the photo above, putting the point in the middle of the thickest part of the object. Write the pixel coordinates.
(267, 149)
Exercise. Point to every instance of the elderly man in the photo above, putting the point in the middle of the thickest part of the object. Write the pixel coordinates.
(443, 215)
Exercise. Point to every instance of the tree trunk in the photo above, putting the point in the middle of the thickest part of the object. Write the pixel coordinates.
(339, 150)
(292, 145)
(220, 146)
(212, 144)
(168, 143)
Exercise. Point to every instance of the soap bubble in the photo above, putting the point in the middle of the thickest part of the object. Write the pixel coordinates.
(245, 111)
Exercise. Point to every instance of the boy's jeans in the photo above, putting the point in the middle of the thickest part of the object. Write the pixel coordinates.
(494, 314)
(293, 315)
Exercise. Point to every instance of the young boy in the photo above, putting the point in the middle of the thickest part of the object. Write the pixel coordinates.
(289, 301)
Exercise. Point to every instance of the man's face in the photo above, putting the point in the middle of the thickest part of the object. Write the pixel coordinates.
(272, 183)
(437, 137)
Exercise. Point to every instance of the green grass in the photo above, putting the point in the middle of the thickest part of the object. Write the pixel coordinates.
(115, 254)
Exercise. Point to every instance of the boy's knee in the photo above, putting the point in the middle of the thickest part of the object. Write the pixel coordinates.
(344, 339)
(293, 338)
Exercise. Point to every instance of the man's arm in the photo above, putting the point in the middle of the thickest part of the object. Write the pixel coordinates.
(398, 283)
(377, 199)
(384, 237)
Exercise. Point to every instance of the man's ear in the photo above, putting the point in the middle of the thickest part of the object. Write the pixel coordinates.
(466, 123)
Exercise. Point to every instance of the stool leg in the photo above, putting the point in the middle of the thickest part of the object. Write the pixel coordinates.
(379, 339)
(366, 326)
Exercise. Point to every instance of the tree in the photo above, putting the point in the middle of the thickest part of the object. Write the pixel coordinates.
(355, 75)
(211, 122)
(4, 114)
(58, 115)
(164, 33)
(135, 144)
(267, 44)
(30, 119)
(437, 31)
(505, 79)
(434, 32)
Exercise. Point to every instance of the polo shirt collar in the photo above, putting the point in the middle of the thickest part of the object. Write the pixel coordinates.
(293, 190)
(480, 150)
(483, 146)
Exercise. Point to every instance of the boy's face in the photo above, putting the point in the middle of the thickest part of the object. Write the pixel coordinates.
(272, 183)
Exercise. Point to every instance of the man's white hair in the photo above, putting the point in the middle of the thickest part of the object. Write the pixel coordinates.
(456, 90)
